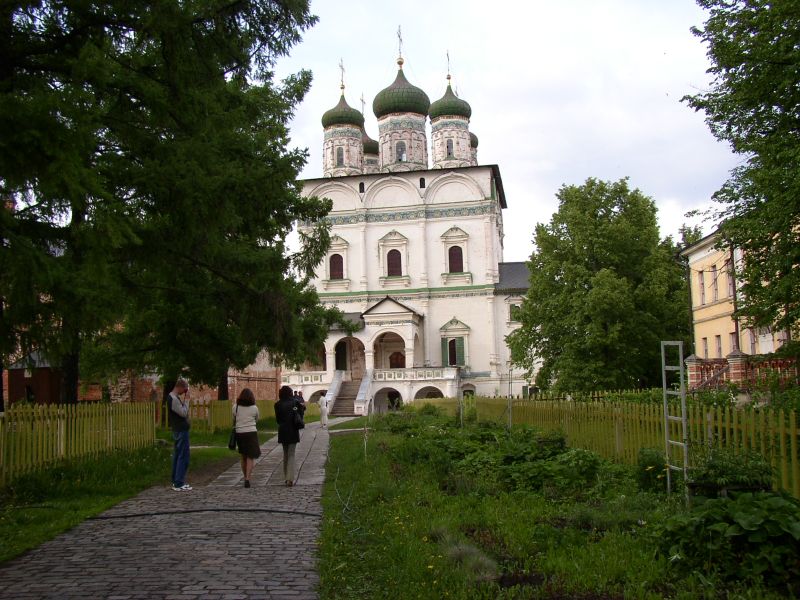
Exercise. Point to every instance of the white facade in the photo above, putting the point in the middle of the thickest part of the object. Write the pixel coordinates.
(416, 265)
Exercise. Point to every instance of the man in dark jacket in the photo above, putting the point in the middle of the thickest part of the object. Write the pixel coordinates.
(178, 414)
(288, 433)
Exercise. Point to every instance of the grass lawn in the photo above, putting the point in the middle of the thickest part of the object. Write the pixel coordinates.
(432, 511)
(39, 506)
(357, 423)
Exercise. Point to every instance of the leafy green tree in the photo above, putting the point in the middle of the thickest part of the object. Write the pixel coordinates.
(754, 104)
(147, 157)
(604, 291)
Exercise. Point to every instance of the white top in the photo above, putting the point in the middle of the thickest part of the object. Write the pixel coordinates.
(246, 418)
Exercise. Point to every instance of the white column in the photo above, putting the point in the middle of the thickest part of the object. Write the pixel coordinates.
(493, 354)
(369, 359)
(363, 258)
(423, 253)
(330, 364)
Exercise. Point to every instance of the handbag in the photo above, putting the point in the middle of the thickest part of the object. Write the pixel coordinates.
(232, 438)
(298, 417)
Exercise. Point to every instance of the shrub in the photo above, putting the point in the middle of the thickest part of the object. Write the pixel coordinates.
(651, 470)
(720, 468)
(748, 537)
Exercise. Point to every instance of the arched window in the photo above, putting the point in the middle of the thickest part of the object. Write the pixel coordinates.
(449, 148)
(394, 263)
(400, 152)
(360, 187)
(340, 157)
(455, 259)
(336, 266)
(421, 182)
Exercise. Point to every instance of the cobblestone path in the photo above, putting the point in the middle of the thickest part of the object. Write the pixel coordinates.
(219, 541)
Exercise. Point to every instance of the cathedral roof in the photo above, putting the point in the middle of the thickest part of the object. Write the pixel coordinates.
(370, 145)
(473, 140)
(401, 97)
(450, 105)
(342, 114)
(513, 276)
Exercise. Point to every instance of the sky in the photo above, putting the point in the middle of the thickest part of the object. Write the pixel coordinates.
(560, 91)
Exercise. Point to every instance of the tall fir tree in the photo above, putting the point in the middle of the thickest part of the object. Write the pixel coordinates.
(147, 155)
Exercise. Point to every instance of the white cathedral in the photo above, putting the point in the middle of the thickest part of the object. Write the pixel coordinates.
(415, 261)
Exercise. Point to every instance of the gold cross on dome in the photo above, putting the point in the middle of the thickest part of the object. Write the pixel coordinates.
(341, 68)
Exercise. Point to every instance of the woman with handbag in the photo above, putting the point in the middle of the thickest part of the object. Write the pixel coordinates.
(289, 415)
(245, 416)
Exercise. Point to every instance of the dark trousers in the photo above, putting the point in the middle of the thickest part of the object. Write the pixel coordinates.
(180, 457)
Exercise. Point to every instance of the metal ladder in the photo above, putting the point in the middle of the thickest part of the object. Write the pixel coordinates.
(670, 443)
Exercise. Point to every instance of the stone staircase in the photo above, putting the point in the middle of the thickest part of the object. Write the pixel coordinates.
(346, 399)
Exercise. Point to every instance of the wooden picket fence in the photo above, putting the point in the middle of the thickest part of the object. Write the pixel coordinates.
(33, 437)
(618, 430)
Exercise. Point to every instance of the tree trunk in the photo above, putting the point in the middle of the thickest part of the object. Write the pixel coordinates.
(2, 390)
(70, 378)
(168, 385)
(222, 387)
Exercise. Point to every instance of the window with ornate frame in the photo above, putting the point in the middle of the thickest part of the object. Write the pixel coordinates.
(336, 275)
(455, 245)
(455, 343)
(393, 253)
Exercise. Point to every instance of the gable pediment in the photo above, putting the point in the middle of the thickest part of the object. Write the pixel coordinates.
(454, 325)
(454, 234)
(393, 236)
(388, 306)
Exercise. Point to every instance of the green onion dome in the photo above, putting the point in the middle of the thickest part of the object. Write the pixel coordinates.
(342, 114)
(401, 97)
(450, 105)
(473, 140)
(370, 145)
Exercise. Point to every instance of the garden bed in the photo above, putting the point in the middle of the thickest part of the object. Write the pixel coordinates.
(430, 510)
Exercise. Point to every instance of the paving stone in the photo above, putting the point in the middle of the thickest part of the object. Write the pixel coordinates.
(217, 542)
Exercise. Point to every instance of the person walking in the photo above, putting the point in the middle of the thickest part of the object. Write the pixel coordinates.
(323, 410)
(245, 415)
(178, 418)
(288, 433)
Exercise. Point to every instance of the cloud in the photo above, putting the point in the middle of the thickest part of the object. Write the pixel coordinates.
(560, 91)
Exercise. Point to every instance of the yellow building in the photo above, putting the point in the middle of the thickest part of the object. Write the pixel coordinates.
(714, 291)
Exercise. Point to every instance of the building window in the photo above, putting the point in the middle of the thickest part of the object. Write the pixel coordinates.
(449, 148)
(360, 187)
(701, 283)
(513, 313)
(336, 267)
(400, 152)
(714, 284)
(734, 341)
(422, 183)
(705, 347)
(753, 342)
(455, 259)
(453, 352)
(718, 340)
(340, 157)
(394, 263)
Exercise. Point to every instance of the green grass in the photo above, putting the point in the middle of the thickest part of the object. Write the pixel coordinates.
(407, 520)
(357, 423)
(39, 506)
